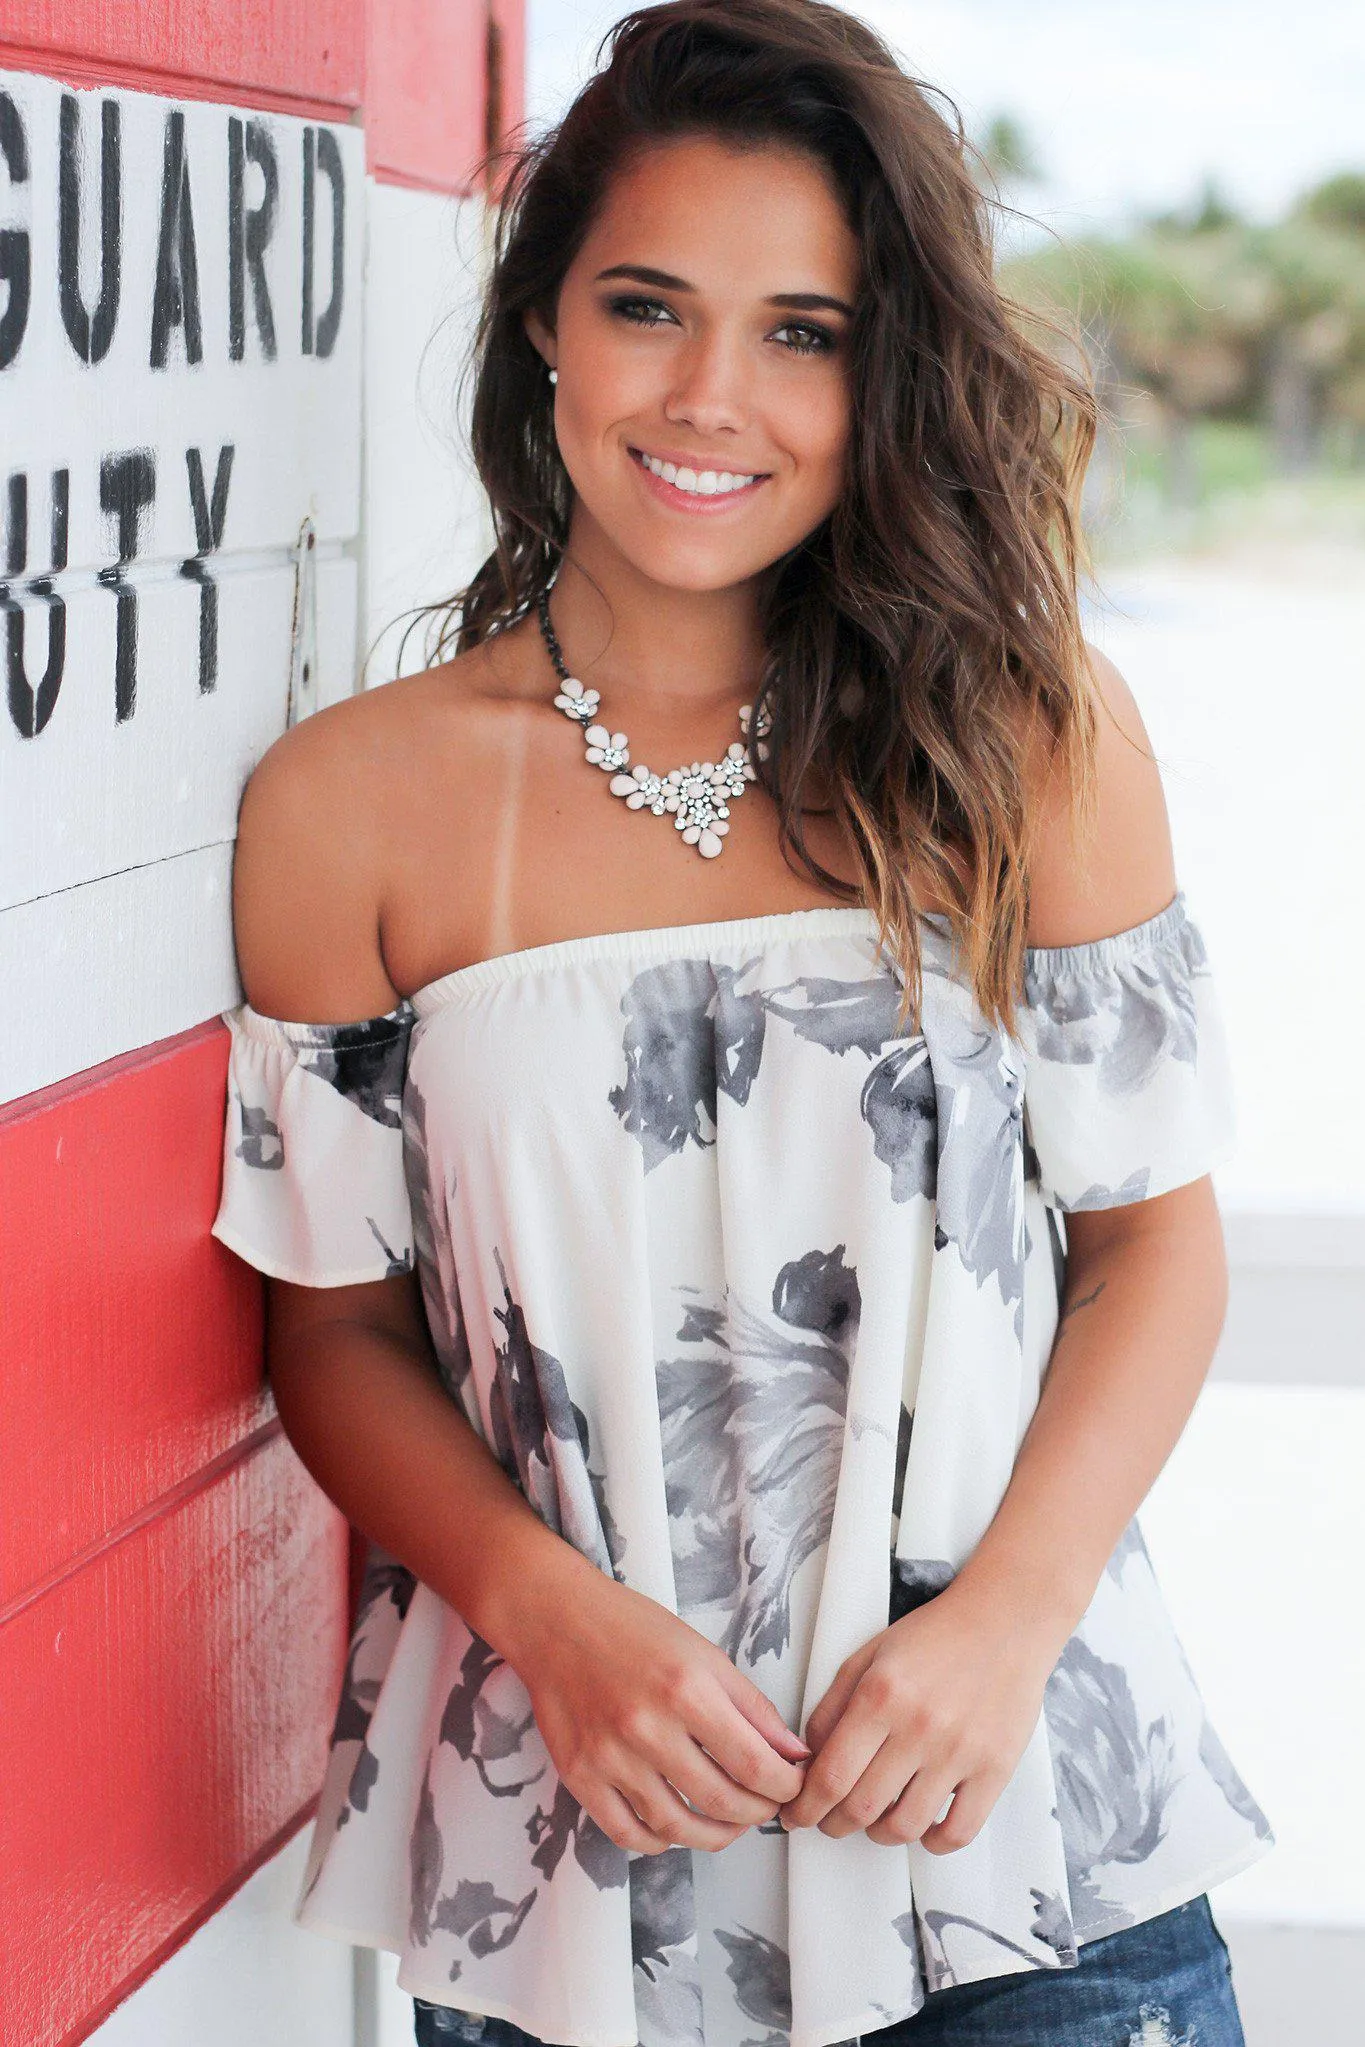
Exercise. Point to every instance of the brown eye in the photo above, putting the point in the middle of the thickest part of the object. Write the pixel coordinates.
(629, 309)
(816, 340)
(823, 343)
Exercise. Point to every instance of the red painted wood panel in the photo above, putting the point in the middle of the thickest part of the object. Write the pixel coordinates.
(166, 1717)
(261, 52)
(428, 117)
(130, 1339)
(173, 1584)
(424, 91)
(509, 65)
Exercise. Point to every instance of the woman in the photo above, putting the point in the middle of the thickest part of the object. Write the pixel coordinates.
(673, 1232)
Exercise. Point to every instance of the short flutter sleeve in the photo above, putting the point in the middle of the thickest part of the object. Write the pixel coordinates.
(314, 1188)
(1127, 1080)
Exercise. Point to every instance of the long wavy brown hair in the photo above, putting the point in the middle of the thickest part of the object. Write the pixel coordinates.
(924, 641)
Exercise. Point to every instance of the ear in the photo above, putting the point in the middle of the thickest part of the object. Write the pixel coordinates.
(542, 338)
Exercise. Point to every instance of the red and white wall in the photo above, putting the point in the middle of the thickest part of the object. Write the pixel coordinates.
(240, 252)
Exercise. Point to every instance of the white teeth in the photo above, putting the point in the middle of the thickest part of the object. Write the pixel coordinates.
(706, 483)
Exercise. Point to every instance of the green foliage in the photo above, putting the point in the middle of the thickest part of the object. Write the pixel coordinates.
(1338, 203)
(1200, 317)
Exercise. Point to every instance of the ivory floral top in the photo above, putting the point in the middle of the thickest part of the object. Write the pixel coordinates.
(751, 1293)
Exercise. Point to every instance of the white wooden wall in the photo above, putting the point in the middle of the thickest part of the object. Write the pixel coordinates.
(121, 784)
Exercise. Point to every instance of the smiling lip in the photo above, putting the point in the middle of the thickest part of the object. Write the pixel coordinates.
(694, 501)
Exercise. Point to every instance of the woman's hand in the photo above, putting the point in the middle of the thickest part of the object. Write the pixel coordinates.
(940, 1705)
(641, 1713)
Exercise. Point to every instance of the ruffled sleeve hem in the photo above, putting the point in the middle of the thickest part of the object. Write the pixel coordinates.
(1128, 1089)
(314, 1189)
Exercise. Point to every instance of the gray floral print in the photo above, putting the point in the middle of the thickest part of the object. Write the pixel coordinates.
(752, 1411)
(492, 1741)
(440, 1288)
(1115, 1778)
(473, 1911)
(979, 1087)
(1212, 1754)
(761, 1972)
(689, 1033)
(540, 1437)
(385, 1581)
(663, 1941)
(261, 1144)
(365, 1063)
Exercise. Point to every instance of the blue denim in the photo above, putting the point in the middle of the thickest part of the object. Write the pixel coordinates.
(1166, 1982)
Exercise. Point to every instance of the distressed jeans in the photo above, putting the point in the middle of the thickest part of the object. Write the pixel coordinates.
(1166, 1982)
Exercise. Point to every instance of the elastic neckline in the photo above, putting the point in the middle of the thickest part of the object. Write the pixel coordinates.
(657, 942)
(674, 941)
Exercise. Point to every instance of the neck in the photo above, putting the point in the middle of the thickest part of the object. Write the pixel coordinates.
(653, 645)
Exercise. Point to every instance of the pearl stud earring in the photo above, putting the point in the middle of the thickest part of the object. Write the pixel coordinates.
(554, 376)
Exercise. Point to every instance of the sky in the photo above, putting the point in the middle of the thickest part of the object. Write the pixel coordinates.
(1127, 107)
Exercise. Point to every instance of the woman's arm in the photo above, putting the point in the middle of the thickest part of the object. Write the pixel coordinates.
(1142, 1310)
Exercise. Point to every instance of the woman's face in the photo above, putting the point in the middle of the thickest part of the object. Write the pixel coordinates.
(704, 324)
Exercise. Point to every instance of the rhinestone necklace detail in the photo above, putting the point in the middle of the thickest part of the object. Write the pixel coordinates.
(697, 797)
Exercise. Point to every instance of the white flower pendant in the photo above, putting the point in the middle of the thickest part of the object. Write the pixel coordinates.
(697, 797)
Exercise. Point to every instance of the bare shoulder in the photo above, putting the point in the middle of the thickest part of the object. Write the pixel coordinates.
(309, 860)
(327, 827)
(1122, 872)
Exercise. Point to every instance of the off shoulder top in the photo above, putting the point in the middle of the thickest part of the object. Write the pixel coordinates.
(752, 1295)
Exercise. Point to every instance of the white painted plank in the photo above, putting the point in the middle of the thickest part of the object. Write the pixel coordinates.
(426, 528)
(105, 966)
(91, 795)
(292, 420)
(113, 965)
(394, 2006)
(248, 1974)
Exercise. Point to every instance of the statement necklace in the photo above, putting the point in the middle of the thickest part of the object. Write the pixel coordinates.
(698, 798)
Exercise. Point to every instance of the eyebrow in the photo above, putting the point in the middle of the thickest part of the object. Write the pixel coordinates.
(796, 301)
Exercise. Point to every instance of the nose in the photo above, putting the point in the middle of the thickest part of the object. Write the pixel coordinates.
(709, 388)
